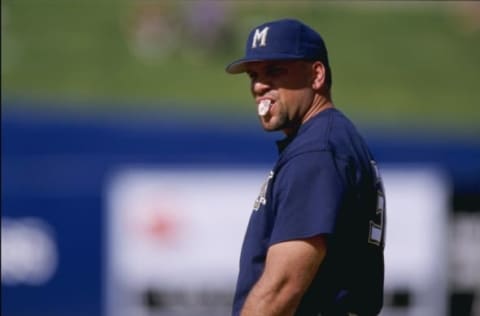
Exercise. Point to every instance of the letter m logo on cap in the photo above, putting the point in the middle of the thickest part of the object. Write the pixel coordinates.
(260, 37)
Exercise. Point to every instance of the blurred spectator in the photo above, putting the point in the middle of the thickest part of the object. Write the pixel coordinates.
(153, 31)
(159, 29)
(470, 15)
(208, 25)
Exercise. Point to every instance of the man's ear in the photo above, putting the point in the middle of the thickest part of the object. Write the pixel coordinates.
(319, 74)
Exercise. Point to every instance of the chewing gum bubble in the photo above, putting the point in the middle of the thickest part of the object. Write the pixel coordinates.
(264, 107)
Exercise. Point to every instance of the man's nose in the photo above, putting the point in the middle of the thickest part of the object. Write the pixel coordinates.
(261, 86)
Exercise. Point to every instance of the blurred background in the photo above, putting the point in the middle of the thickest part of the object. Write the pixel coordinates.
(130, 160)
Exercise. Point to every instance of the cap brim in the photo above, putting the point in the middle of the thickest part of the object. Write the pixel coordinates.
(239, 66)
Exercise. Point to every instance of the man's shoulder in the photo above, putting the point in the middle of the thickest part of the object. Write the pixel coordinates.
(342, 129)
(329, 131)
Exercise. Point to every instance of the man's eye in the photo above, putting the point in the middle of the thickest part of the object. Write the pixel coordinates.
(274, 71)
(252, 75)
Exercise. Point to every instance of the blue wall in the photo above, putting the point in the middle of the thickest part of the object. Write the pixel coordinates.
(54, 166)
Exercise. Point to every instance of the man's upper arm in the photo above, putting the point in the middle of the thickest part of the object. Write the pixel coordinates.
(308, 193)
(296, 261)
(289, 270)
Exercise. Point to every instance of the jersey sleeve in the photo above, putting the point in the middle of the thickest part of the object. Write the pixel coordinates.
(308, 194)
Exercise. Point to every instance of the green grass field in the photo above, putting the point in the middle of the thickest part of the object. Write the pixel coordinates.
(413, 65)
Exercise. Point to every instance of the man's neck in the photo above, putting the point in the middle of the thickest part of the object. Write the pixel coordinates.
(319, 104)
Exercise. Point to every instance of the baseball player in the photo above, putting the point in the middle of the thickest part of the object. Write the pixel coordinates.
(315, 239)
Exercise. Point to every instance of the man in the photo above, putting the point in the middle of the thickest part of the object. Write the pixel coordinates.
(314, 243)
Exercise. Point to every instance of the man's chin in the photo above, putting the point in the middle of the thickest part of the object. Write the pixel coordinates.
(270, 127)
(270, 124)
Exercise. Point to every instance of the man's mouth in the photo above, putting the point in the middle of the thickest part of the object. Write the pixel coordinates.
(264, 107)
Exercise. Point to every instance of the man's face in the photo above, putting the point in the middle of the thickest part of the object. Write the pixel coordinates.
(288, 85)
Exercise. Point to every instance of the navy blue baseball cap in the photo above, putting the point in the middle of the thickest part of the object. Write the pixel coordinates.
(285, 39)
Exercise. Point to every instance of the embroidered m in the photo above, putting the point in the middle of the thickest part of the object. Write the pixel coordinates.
(260, 37)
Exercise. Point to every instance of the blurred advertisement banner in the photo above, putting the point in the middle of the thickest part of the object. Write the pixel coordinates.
(416, 259)
(174, 237)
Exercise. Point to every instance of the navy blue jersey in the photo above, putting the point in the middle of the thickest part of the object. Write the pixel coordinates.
(324, 182)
